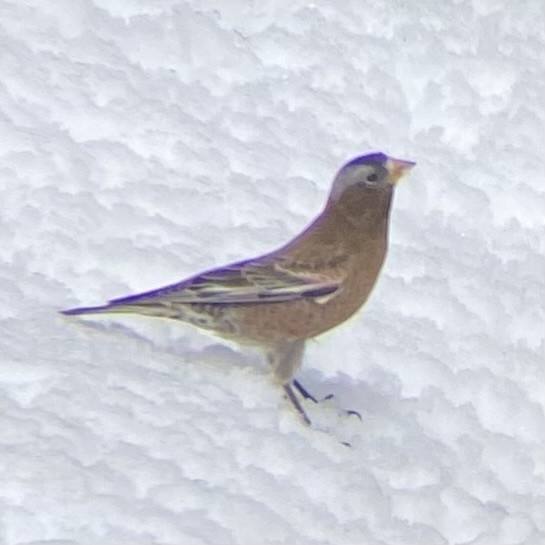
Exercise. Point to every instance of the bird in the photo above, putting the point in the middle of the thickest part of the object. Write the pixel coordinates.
(280, 300)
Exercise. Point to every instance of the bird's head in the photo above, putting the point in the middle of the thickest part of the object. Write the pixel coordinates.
(373, 173)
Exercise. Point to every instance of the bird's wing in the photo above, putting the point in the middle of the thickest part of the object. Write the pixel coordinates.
(255, 281)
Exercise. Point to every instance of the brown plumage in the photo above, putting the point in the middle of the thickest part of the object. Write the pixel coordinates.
(313, 283)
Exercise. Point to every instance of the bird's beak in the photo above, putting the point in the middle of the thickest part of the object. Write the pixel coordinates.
(397, 168)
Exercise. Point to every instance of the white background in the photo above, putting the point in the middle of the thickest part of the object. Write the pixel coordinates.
(143, 141)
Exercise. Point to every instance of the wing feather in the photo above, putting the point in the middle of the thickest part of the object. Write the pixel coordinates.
(244, 282)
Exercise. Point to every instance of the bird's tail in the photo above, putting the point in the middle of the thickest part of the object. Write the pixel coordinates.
(92, 310)
(146, 310)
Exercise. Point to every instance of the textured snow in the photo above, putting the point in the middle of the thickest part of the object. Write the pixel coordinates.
(143, 141)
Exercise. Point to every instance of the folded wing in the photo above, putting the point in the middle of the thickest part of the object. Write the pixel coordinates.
(257, 281)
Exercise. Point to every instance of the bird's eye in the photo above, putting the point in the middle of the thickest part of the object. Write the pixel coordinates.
(372, 177)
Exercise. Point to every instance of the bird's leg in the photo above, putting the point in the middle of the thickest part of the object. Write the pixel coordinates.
(304, 392)
(285, 358)
(295, 402)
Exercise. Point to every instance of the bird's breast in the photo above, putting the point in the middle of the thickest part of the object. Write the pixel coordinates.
(352, 295)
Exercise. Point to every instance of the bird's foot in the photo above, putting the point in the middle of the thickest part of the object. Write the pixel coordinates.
(307, 395)
(331, 428)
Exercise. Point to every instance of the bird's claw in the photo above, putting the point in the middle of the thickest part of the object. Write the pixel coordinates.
(353, 413)
(306, 395)
(347, 412)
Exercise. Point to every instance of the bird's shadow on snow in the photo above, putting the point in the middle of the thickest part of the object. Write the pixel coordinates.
(343, 390)
(341, 398)
(188, 346)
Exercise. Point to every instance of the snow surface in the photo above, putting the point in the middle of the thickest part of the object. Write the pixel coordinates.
(146, 140)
